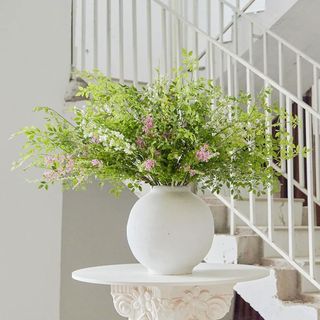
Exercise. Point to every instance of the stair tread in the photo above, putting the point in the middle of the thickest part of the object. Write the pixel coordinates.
(278, 227)
(299, 260)
(215, 199)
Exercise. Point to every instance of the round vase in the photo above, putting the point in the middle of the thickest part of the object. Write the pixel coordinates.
(170, 230)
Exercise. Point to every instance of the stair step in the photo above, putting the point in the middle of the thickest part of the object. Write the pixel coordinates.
(264, 295)
(280, 238)
(311, 297)
(244, 249)
(280, 263)
(280, 211)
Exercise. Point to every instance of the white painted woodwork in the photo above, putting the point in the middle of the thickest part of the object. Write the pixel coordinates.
(246, 249)
(205, 294)
(262, 295)
(279, 211)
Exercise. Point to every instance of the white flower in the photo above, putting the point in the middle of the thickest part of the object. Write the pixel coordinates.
(103, 138)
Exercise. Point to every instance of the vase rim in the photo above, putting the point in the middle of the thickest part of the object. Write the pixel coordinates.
(171, 188)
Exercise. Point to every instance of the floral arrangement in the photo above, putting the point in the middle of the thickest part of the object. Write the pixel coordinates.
(172, 132)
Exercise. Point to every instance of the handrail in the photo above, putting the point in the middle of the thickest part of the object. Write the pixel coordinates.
(295, 183)
(240, 13)
(272, 34)
(242, 61)
(271, 243)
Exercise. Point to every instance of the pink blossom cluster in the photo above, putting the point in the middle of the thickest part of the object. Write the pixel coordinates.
(95, 139)
(149, 164)
(140, 142)
(96, 163)
(191, 171)
(50, 175)
(65, 165)
(204, 155)
(148, 124)
(69, 165)
(49, 160)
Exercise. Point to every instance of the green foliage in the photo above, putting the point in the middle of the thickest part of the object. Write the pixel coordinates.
(172, 132)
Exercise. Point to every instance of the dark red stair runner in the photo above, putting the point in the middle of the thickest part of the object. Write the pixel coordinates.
(243, 310)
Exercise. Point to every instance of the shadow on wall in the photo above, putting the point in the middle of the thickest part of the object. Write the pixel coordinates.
(93, 233)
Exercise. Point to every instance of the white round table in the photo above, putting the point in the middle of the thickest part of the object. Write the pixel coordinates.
(205, 294)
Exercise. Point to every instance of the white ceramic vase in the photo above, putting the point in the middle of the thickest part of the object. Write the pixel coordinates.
(170, 230)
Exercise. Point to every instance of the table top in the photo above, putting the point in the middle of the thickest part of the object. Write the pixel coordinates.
(203, 274)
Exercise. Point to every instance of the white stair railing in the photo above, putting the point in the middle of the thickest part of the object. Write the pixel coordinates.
(147, 34)
(296, 82)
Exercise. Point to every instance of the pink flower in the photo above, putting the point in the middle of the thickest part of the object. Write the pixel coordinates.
(61, 158)
(192, 172)
(49, 160)
(69, 165)
(149, 164)
(203, 155)
(50, 175)
(95, 139)
(96, 163)
(140, 143)
(148, 124)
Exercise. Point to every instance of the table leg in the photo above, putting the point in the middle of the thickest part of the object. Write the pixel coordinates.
(171, 303)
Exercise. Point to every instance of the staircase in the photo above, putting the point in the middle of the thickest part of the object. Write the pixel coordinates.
(239, 45)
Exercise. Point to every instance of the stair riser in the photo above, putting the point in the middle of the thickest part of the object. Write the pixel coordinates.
(300, 243)
(303, 284)
(306, 286)
(280, 212)
(235, 249)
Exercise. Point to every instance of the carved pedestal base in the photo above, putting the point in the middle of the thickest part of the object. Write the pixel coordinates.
(171, 303)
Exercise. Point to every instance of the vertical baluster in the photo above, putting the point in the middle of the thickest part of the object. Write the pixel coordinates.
(310, 184)
(174, 35)
(235, 28)
(164, 40)
(232, 215)
(134, 42)
(149, 40)
(221, 32)
(208, 43)
(229, 76)
(185, 28)
(315, 105)
(170, 40)
(290, 183)
(252, 200)
(269, 191)
(108, 40)
(83, 35)
(179, 35)
(213, 61)
(95, 34)
(300, 128)
(251, 32)
(265, 53)
(229, 91)
(74, 34)
(196, 37)
(121, 53)
(281, 96)
(236, 49)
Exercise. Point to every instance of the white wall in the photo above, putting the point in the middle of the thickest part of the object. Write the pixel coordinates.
(34, 64)
(93, 233)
